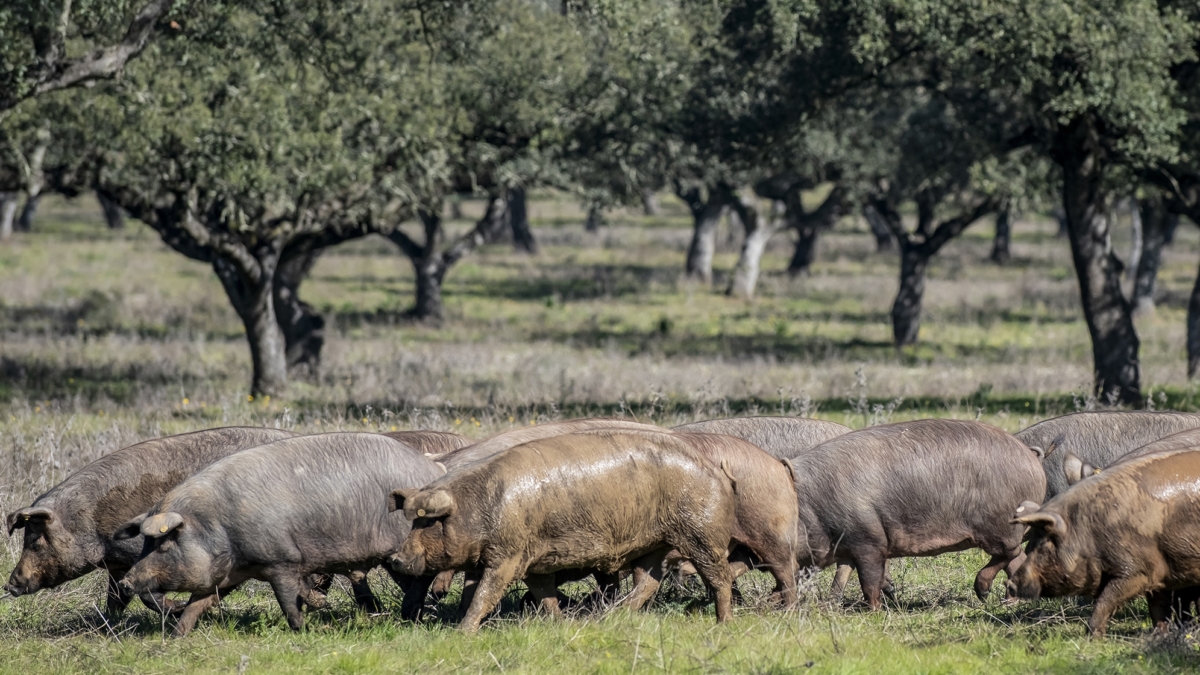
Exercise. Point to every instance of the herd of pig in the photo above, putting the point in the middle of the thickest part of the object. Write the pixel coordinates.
(1106, 504)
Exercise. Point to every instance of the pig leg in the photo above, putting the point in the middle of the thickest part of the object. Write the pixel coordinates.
(415, 589)
(289, 592)
(441, 584)
(318, 590)
(842, 576)
(197, 605)
(116, 598)
(470, 583)
(1161, 607)
(363, 597)
(1112, 597)
(544, 589)
(647, 577)
(714, 570)
(489, 591)
(985, 577)
(872, 569)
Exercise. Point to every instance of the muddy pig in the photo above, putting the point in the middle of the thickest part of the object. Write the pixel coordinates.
(1130, 530)
(766, 517)
(780, 437)
(279, 513)
(501, 442)
(915, 489)
(603, 499)
(69, 530)
(784, 438)
(1098, 438)
(509, 439)
(431, 443)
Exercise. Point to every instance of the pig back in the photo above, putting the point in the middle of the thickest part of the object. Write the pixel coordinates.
(322, 498)
(781, 437)
(1184, 440)
(926, 484)
(606, 492)
(430, 442)
(1099, 438)
(108, 492)
(501, 442)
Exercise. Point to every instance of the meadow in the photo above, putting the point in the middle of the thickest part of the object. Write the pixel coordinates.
(109, 338)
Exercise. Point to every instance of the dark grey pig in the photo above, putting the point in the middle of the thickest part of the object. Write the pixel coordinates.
(280, 513)
(69, 530)
(1098, 438)
(915, 489)
(780, 437)
(1075, 469)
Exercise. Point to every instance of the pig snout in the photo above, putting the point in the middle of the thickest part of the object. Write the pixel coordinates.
(1023, 587)
(21, 583)
(406, 562)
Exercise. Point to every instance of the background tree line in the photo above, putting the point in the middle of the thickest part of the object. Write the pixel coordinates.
(253, 136)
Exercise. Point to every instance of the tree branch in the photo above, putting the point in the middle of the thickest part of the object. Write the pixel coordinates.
(99, 63)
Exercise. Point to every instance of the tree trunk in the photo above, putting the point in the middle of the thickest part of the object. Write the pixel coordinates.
(704, 238)
(595, 217)
(518, 218)
(456, 212)
(1135, 238)
(906, 310)
(650, 205)
(882, 233)
(1000, 243)
(758, 233)
(805, 253)
(1169, 228)
(252, 294)
(114, 217)
(809, 227)
(1108, 314)
(28, 213)
(1193, 330)
(8, 211)
(429, 273)
(302, 327)
(1153, 216)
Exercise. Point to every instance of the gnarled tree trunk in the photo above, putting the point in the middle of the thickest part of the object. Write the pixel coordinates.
(1193, 330)
(884, 240)
(595, 218)
(1109, 316)
(809, 226)
(114, 217)
(518, 218)
(302, 327)
(1002, 241)
(650, 206)
(1154, 217)
(28, 213)
(706, 217)
(759, 229)
(8, 211)
(906, 309)
(251, 291)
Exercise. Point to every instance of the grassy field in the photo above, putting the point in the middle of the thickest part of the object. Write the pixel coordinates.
(110, 338)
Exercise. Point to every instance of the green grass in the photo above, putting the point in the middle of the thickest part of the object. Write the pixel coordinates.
(110, 338)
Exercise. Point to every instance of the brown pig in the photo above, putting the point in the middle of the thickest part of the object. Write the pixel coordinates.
(1130, 530)
(603, 499)
(915, 489)
(69, 530)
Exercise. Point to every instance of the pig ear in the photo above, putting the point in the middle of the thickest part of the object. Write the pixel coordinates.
(1072, 468)
(787, 464)
(131, 529)
(399, 497)
(442, 466)
(436, 505)
(1089, 470)
(1039, 452)
(160, 523)
(19, 519)
(1052, 523)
